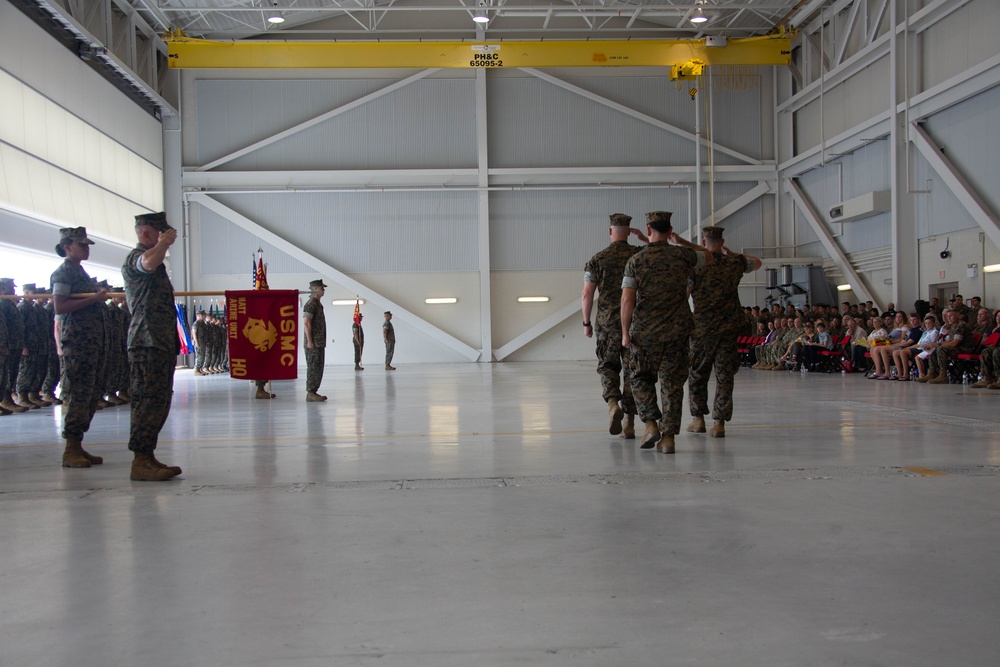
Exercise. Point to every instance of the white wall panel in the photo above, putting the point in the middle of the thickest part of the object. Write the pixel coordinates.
(52, 71)
(360, 232)
(552, 127)
(429, 123)
(963, 39)
(561, 229)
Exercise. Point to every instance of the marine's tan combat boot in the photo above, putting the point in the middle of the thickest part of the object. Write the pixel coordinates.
(313, 397)
(697, 425)
(37, 402)
(4, 412)
(124, 396)
(51, 398)
(74, 456)
(982, 384)
(719, 430)
(615, 415)
(666, 444)
(263, 394)
(145, 469)
(389, 368)
(25, 402)
(651, 436)
(628, 428)
(174, 469)
(41, 399)
(942, 378)
(11, 406)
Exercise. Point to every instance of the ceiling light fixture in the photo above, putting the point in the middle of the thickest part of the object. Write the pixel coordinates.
(844, 288)
(275, 18)
(532, 299)
(442, 299)
(698, 17)
(991, 268)
(480, 16)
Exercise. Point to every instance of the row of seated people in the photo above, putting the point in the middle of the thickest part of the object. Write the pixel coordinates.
(896, 348)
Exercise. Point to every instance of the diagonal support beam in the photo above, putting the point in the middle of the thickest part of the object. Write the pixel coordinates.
(655, 122)
(553, 320)
(957, 183)
(818, 226)
(852, 20)
(751, 195)
(341, 278)
(317, 120)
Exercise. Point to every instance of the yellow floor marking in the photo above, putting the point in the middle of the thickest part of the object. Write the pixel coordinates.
(926, 472)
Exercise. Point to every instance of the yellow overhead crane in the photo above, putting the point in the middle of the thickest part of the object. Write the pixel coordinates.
(686, 57)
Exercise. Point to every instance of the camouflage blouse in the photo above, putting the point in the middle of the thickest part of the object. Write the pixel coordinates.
(151, 301)
(716, 293)
(82, 331)
(659, 273)
(606, 269)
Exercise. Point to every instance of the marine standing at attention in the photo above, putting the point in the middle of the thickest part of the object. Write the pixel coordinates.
(603, 274)
(389, 336)
(656, 323)
(358, 334)
(153, 344)
(718, 317)
(314, 330)
(81, 331)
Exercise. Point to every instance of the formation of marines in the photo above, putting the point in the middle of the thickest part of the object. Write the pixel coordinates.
(211, 347)
(647, 333)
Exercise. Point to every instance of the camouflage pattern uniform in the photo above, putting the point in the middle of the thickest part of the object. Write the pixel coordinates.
(34, 332)
(4, 357)
(358, 336)
(661, 324)
(82, 340)
(52, 366)
(390, 341)
(201, 336)
(606, 269)
(114, 365)
(125, 372)
(153, 346)
(15, 338)
(718, 321)
(967, 344)
(315, 358)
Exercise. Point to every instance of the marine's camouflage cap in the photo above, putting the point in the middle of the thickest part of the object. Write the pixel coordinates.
(29, 287)
(712, 233)
(659, 216)
(157, 221)
(316, 284)
(620, 220)
(78, 234)
(7, 282)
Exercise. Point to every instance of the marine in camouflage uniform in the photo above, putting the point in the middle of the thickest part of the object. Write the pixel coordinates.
(718, 320)
(81, 330)
(114, 354)
(389, 337)
(153, 344)
(603, 274)
(958, 340)
(358, 335)
(656, 323)
(15, 347)
(4, 354)
(199, 331)
(53, 368)
(314, 332)
(33, 354)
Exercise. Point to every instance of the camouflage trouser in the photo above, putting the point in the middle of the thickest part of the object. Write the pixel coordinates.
(666, 362)
(150, 390)
(113, 368)
(357, 353)
(315, 360)
(612, 359)
(718, 351)
(80, 393)
(30, 373)
(989, 363)
(390, 349)
(939, 359)
(199, 357)
(124, 373)
(52, 372)
(4, 374)
(13, 368)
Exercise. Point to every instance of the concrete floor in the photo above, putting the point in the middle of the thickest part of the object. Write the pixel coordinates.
(480, 515)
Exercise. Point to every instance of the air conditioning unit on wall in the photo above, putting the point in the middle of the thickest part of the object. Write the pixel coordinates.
(868, 204)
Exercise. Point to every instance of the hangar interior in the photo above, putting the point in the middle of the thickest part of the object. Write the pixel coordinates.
(471, 508)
